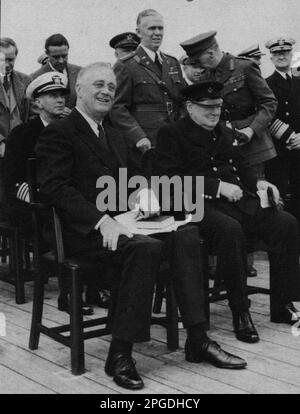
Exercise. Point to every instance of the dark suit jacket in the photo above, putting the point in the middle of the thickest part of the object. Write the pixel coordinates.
(19, 82)
(288, 109)
(19, 148)
(71, 158)
(73, 71)
(186, 149)
(140, 106)
(250, 102)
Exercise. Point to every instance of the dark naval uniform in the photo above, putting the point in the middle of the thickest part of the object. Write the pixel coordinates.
(248, 102)
(284, 171)
(146, 96)
(185, 148)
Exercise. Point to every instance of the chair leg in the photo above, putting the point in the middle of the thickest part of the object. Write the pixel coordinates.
(37, 308)
(159, 295)
(76, 324)
(172, 318)
(17, 259)
(4, 247)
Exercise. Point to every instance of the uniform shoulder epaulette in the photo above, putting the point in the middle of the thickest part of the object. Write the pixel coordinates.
(244, 58)
(169, 56)
(127, 57)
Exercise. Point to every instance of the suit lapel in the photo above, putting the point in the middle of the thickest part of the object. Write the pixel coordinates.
(3, 100)
(282, 83)
(18, 88)
(117, 144)
(87, 135)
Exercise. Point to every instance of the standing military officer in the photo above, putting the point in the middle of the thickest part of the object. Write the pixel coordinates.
(149, 82)
(284, 170)
(249, 104)
(253, 52)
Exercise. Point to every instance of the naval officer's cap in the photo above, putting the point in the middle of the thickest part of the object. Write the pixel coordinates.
(47, 82)
(252, 52)
(280, 44)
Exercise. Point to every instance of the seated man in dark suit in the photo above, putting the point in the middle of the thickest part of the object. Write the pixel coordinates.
(198, 145)
(73, 154)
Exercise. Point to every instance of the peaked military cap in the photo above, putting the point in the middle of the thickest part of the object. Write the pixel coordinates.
(125, 40)
(197, 45)
(202, 91)
(47, 82)
(280, 44)
(252, 52)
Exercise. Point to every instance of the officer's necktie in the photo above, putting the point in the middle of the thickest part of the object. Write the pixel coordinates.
(102, 136)
(288, 79)
(6, 83)
(158, 62)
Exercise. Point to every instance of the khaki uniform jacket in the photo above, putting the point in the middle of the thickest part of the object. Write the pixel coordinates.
(142, 105)
(248, 102)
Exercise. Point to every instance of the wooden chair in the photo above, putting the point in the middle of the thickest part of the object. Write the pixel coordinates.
(74, 269)
(15, 247)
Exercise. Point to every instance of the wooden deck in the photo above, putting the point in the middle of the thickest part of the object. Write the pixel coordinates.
(273, 363)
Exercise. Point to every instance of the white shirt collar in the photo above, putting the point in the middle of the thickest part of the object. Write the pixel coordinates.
(151, 54)
(44, 122)
(283, 74)
(65, 72)
(93, 124)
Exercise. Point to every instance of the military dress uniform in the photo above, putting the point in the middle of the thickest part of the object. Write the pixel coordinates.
(147, 95)
(247, 99)
(284, 170)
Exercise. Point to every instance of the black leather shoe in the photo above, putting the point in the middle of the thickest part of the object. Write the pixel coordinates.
(121, 367)
(289, 315)
(251, 272)
(63, 305)
(99, 298)
(211, 352)
(244, 328)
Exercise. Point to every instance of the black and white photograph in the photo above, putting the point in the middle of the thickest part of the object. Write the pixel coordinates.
(149, 200)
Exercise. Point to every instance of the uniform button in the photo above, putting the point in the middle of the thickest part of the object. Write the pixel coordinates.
(286, 103)
(215, 169)
(230, 161)
(212, 158)
(210, 197)
(287, 114)
(234, 169)
(238, 178)
(234, 90)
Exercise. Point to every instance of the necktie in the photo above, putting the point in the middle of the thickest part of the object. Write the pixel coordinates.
(158, 62)
(289, 79)
(6, 83)
(102, 136)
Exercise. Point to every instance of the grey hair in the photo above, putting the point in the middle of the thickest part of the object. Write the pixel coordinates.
(96, 65)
